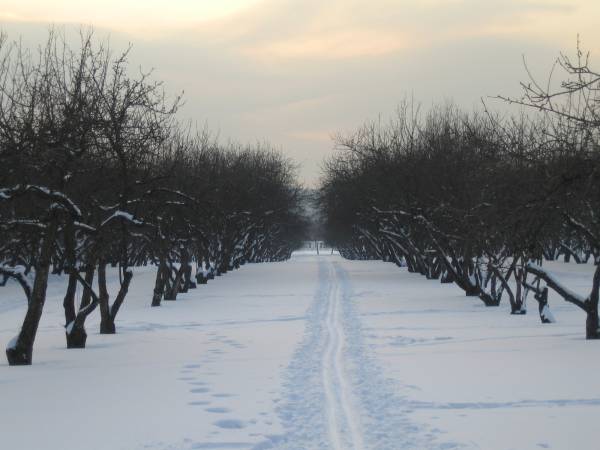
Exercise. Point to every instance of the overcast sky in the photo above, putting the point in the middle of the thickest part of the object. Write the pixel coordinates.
(294, 72)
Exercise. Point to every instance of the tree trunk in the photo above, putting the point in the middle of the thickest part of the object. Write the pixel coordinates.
(171, 294)
(76, 336)
(21, 353)
(71, 270)
(189, 283)
(107, 325)
(447, 277)
(409, 265)
(114, 309)
(200, 278)
(592, 324)
(516, 301)
(542, 297)
(159, 285)
(186, 272)
(517, 307)
(488, 300)
(86, 297)
(69, 300)
(211, 273)
(471, 290)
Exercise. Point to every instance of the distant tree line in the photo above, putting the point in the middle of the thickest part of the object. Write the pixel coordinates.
(476, 199)
(96, 171)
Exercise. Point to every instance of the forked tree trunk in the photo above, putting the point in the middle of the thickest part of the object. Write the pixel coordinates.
(173, 290)
(120, 298)
(108, 313)
(75, 330)
(76, 336)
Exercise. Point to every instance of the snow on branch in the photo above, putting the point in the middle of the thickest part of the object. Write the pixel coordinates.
(553, 283)
(123, 215)
(18, 273)
(592, 238)
(177, 193)
(56, 196)
(24, 223)
(85, 227)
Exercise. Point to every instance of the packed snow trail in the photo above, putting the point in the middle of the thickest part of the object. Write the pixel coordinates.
(338, 393)
(337, 397)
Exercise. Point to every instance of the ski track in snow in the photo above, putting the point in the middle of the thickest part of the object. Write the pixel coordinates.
(384, 411)
(335, 394)
(338, 394)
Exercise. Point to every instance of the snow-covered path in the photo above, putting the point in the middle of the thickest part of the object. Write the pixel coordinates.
(336, 395)
(325, 346)
(338, 391)
(314, 353)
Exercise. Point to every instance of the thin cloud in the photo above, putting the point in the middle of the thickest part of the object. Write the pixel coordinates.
(337, 45)
(297, 71)
(312, 135)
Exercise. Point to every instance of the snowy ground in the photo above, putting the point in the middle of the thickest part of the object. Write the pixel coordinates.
(313, 353)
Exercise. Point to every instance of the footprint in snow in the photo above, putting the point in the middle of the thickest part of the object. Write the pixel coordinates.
(217, 410)
(224, 445)
(230, 424)
(199, 403)
(200, 390)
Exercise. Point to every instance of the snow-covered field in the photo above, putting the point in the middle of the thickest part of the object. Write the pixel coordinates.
(314, 353)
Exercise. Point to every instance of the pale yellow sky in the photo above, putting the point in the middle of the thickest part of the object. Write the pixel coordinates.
(297, 71)
(139, 16)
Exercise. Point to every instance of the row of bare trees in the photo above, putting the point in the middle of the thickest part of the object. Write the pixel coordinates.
(476, 199)
(96, 171)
